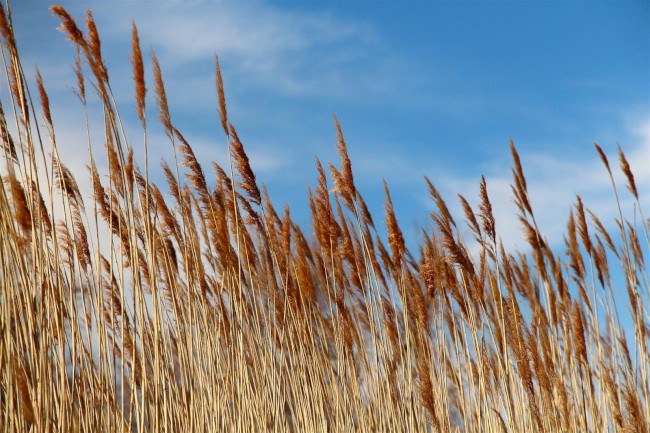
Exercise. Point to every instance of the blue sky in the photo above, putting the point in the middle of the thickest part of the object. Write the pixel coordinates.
(420, 88)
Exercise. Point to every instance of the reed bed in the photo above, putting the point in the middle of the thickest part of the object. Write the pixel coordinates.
(199, 306)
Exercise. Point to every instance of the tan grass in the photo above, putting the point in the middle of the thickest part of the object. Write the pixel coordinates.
(194, 306)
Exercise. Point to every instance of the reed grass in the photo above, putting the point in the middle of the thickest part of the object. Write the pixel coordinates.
(197, 306)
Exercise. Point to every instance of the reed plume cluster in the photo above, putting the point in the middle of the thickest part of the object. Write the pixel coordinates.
(205, 308)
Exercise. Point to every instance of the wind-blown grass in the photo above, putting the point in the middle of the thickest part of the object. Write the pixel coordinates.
(198, 306)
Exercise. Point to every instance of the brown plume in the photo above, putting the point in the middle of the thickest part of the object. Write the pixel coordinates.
(138, 74)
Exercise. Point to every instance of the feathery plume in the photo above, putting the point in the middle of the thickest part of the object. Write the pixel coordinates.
(39, 204)
(67, 183)
(6, 30)
(138, 74)
(395, 238)
(243, 166)
(635, 422)
(425, 390)
(470, 218)
(68, 25)
(195, 175)
(625, 168)
(45, 100)
(221, 94)
(95, 46)
(601, 229)
(21, 377)
(21, 209)
(519, 189)
(573, 250)
(161, 97)
(583, 230)
(6, 141)
(345, 184)
(578, 328)
(486, 215)
(440, 203)
(80, 91)
(603, 157)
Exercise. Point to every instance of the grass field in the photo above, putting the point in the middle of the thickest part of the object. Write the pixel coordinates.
(191, 305)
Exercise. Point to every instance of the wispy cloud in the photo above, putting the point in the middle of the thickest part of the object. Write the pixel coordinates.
(266, 52)
(292, 52)
(555, 179)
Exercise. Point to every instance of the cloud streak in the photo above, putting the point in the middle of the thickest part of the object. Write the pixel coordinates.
(554, 180)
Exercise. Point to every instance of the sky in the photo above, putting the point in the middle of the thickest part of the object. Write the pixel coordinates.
(435, 88)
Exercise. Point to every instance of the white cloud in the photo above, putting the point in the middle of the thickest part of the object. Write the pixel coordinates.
(265, 51)
(252, 31)
(554, 180)
(296, 53)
